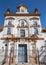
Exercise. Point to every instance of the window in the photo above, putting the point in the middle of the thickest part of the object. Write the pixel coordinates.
(22, 53)
(9, 31)
(9, 23)
(22, 33)
(36, 31)
(22, 23)
(35, 22)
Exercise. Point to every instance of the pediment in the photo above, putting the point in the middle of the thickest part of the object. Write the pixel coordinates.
(34, 36)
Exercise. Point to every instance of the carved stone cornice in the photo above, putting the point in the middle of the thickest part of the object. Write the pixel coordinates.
(9, 26)
(35, 26)
(22, 26)
(18, 38)
(10, 18)
(34, 18)
(21, 14)
(44, 30)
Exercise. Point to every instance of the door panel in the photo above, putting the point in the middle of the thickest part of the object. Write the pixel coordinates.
(22, 53)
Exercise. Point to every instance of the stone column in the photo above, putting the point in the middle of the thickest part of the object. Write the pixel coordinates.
(4, 61)
(34, 52)
(5, 58)
(6, 52)
(11, 58)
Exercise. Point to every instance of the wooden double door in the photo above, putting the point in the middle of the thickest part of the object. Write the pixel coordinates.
(22, 53)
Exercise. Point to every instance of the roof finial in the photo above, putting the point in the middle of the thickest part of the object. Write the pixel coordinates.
(8, 10)
(36, 10)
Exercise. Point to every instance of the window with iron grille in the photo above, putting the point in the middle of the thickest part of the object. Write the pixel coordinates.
(22, 23)
(9, 31)
(9, 23)
(22, 33)
(35, 31)
(35, 22)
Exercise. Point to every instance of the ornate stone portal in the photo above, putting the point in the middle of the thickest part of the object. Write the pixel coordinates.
(11, 58)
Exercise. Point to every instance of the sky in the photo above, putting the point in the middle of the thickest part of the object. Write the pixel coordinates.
(31, 4)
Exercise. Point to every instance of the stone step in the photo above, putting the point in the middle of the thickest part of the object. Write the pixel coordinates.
(9, 64)
(26, 64)
(20, 64)
(6, 64)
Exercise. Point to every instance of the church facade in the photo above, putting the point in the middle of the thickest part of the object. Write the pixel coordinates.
(22, 36)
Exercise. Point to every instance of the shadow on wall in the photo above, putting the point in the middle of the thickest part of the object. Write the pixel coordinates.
(42, 54)
(43, 60)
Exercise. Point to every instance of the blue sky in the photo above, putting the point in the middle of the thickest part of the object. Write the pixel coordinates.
(31, 4)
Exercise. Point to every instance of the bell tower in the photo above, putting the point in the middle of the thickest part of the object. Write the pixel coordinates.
(22, 9)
